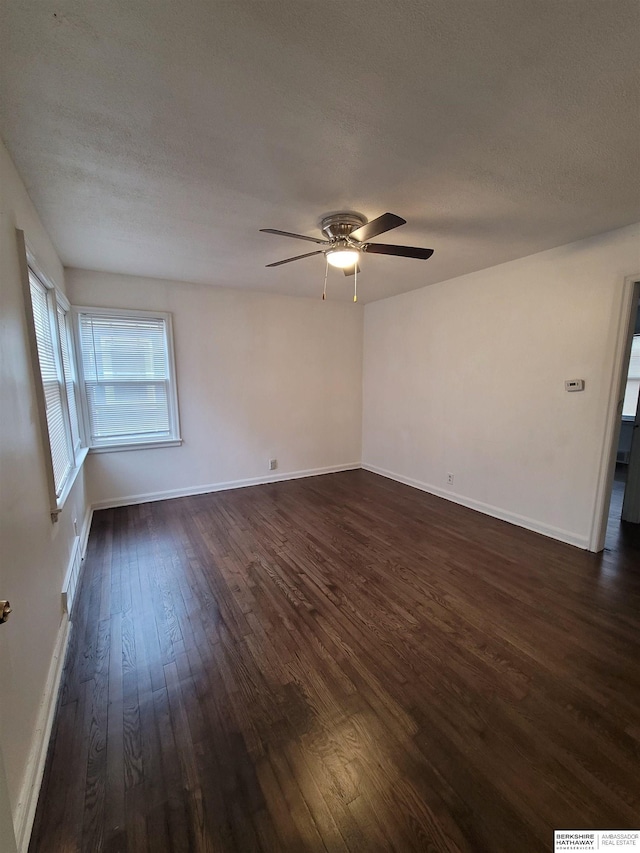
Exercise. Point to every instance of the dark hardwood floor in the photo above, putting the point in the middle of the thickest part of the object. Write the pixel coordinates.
(342, 663)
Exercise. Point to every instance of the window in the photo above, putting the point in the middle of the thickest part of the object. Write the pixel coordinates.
(68, 368)
(54, 365)
(128, 378)
(633, 381)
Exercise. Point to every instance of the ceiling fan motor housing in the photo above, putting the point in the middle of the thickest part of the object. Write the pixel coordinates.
(341, 224)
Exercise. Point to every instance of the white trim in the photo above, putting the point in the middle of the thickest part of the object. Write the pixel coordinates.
(111, 448)
(84, 532)
(488, 509)
(46, 279)
(81, 455)
(30, 790)
(611, 433)
(127, 500)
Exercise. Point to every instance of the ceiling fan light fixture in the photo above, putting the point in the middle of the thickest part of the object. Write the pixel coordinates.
(343, 257)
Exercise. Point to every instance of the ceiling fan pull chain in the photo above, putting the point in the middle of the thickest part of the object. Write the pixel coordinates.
(326, 272)
(355, 284)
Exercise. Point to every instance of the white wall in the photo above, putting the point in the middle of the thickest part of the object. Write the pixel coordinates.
(259, 376)
(467, 376)
(34, 553)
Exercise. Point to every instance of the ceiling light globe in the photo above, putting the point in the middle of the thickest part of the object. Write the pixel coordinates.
(342, 258)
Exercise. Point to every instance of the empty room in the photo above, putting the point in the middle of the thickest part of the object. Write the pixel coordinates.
(320, 458)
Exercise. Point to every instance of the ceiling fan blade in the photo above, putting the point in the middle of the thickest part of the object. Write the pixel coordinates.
(400, 251)
(377, 226)
(351, 270)
(297, 258)
(297, 236)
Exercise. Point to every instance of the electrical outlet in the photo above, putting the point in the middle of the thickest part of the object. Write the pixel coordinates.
(450, 479)
(273, 464)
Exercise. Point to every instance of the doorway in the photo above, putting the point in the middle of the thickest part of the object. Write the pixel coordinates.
(621, 518)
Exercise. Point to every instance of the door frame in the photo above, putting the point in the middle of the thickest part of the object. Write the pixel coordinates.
(631, 501)
(617, 385)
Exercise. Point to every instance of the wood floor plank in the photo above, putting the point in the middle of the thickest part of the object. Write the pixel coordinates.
(114, 787)
(94, 827)
(342, 663)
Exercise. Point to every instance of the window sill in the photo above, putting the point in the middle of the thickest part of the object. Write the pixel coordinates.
(71, 479)
(142, 445)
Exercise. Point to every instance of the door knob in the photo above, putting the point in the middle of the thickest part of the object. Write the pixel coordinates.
(5, 610)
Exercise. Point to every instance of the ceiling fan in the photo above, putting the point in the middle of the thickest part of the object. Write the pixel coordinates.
(347, 236)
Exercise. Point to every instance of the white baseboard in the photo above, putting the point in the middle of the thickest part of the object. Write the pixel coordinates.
(127, 500)
(488, 509)
(26, 808)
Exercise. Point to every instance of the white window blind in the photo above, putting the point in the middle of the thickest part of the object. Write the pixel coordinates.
(53, 383)
(128, 378)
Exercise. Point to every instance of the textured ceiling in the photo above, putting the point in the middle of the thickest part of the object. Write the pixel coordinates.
(157, 138)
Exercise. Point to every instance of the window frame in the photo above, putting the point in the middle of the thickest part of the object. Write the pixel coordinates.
(55, 299)
(63, 303)
(114, 445)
